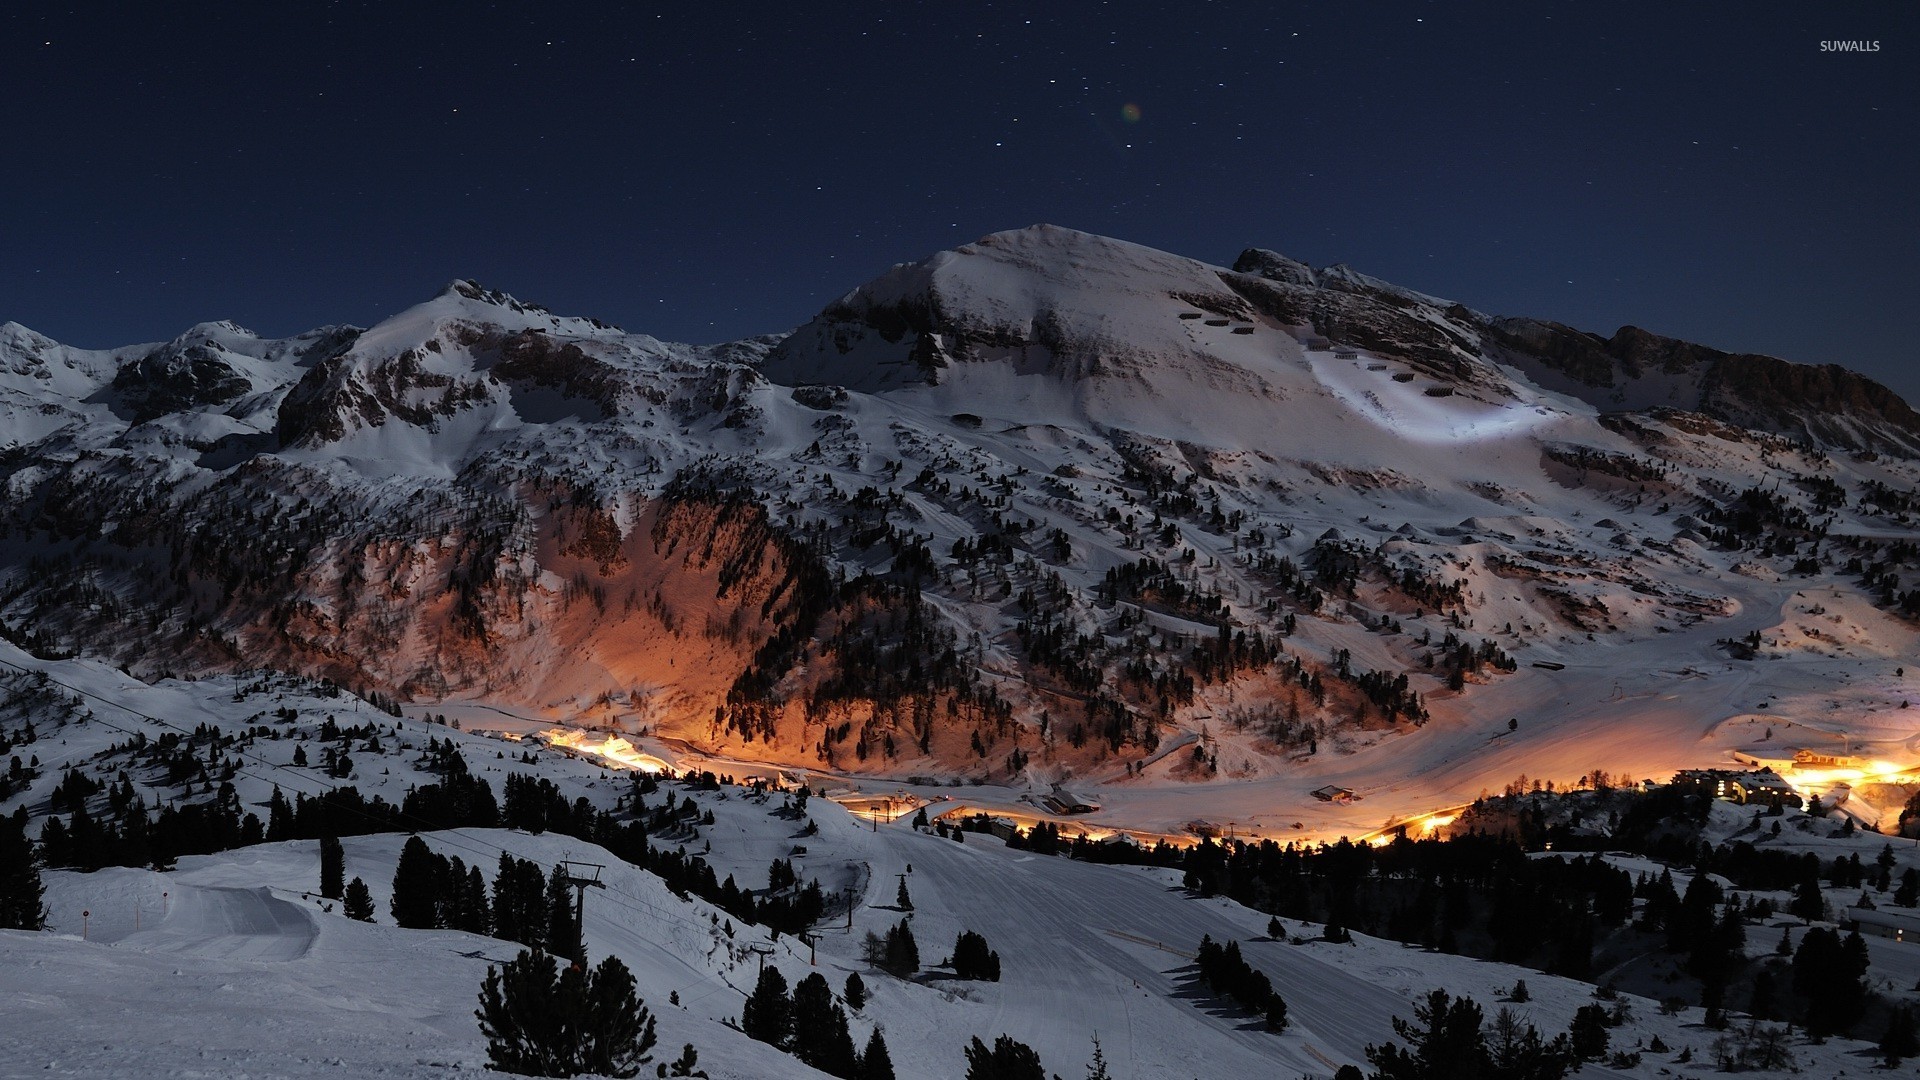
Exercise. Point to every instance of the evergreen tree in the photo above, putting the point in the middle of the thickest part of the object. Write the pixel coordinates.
(901, 899)
(1807, 902)
(280, 820)
(1444, 1042)
(897, 954)
(1097, 1067)
(1588, 1035)
(416, 887)
(359, 902)
(539, 1022)
(876, 1063)
(768, 1015)
(972, 959)
(20, 887)
(520, 903)
(1276, 1013)
(1515, 1051)
(333, 867)
(820, 1036)
(1901, 1040)
(563, 933)
(617, 1034)
(856, 992)
(1830, 974)
(1008, 1059)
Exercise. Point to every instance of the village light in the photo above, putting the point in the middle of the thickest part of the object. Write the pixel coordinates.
(611, 748)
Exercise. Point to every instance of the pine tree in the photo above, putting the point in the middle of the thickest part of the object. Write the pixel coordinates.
(876, 1063)
(1515, 1051)
(901, 899)
(768, 1015)
(519, 903)
(618, 1033)
(359, 902)
(856, 992)
(563, 933)
(972, 959)
(416, 887)
(1097, 1068)
(1588, 1035)
(819, 1026)
(1444, 1042)
(1900, 1041)
(20, 888)
(333, 868)
(1008, 1059)
(902, 952)
(539, 1022)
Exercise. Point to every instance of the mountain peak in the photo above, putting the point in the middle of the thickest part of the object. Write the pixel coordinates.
(469, 289)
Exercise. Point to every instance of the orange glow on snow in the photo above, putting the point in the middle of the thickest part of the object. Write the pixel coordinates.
(609, 748)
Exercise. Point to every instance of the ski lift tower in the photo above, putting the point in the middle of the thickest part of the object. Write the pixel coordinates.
(577, 875)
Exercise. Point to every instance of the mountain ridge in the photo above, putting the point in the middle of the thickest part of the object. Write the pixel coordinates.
(1045, 505)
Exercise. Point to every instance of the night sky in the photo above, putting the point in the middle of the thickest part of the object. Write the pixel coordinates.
(721, 169)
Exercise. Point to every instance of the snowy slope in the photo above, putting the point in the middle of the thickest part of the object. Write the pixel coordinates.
(229, 965)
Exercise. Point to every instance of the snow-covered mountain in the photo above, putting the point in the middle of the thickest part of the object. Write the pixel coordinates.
(1048, 504)
(234, 963)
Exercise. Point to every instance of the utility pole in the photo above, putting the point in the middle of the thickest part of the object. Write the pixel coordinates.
(575, 874)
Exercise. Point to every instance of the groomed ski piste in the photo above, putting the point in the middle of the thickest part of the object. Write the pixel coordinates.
(230, 965)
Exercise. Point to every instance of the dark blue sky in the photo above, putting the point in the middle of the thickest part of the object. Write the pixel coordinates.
(707, 171)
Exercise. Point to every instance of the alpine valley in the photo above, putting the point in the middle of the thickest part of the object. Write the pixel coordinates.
(1050, 526)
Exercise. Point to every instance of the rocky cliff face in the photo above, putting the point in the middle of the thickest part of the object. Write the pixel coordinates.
(1634, 369)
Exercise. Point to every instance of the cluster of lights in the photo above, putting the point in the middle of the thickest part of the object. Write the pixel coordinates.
(609, 748)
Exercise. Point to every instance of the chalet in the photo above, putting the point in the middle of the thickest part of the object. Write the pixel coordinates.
(1333, 794)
